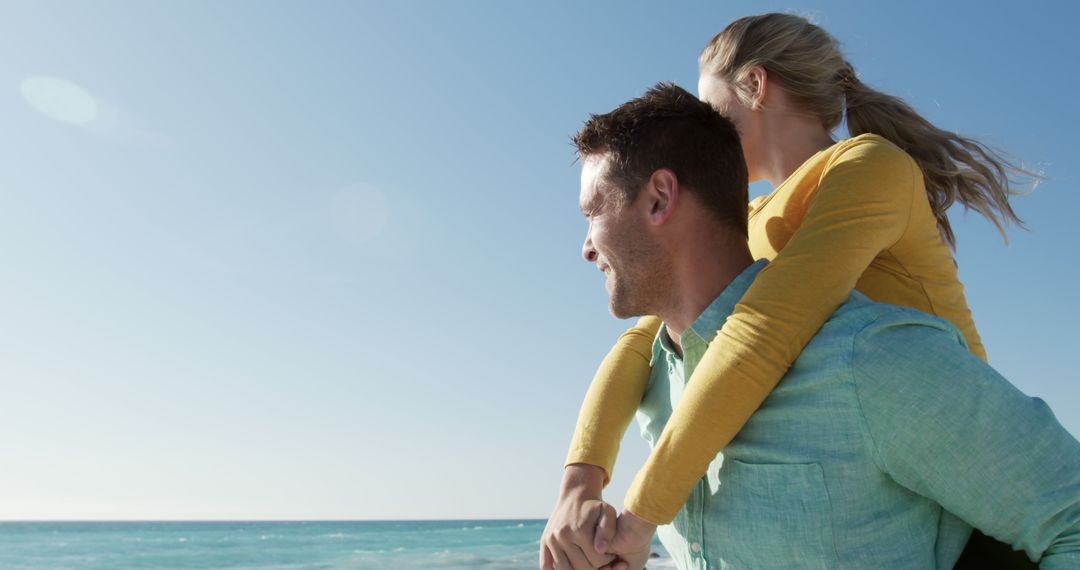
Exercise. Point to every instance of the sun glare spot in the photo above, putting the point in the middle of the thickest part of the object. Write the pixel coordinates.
(359, 214)
(60, 100)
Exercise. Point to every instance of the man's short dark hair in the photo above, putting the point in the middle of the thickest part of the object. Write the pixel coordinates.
(670, 128)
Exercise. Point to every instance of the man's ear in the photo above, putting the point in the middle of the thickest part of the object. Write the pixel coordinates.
(663, 193)
(757, 81)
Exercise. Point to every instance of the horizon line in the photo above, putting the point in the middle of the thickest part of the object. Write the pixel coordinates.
(11, 521)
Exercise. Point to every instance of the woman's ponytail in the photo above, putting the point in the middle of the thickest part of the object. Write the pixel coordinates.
(955, 168)
(807, 62)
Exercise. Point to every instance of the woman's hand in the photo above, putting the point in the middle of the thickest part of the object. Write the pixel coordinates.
(632, 542)
(581, 527)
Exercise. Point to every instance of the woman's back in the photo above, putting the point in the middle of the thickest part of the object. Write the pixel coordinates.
(916, 270)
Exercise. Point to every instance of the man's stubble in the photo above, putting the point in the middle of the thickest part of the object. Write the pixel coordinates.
(641, 278)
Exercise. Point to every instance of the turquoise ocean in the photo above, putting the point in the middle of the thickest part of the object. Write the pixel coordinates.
(406, 545)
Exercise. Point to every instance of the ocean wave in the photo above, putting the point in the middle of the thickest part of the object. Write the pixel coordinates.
(445, 530)
(449, 558)
(422, 545)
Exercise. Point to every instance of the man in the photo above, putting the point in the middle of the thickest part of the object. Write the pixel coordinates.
(882, 446)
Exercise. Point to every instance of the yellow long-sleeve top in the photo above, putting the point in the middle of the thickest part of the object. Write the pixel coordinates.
(853, 216)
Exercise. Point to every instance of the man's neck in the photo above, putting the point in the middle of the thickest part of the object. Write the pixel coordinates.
(700, 277)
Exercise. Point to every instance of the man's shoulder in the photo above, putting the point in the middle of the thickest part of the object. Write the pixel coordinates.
(861, 330)
(867, 320)
(898, 348)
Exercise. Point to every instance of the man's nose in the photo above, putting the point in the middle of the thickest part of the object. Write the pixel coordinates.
(587, 250)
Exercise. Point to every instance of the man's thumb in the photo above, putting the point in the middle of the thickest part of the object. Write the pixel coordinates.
(605, 528)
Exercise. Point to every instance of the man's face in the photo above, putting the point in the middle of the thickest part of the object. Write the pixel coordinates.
(619, 243)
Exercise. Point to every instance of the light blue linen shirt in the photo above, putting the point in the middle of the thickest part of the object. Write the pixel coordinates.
(882, 445)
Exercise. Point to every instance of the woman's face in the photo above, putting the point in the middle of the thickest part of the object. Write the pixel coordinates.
(718, 92)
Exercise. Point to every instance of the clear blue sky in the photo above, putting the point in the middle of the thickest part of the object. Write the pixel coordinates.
(322, 260)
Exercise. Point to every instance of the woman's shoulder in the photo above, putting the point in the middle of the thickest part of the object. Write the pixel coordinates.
(872, 169)
(870, 146)
(871, 157)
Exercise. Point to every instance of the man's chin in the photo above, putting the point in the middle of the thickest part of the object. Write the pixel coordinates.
(620, 311)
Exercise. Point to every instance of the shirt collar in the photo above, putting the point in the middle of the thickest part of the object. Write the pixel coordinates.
(713, 317)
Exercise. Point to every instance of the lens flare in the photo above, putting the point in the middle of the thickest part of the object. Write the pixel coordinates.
(60, 100)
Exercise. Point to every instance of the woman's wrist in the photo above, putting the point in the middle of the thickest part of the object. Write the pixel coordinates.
(582, 479)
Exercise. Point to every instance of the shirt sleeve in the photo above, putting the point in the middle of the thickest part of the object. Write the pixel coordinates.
(613, 398)
(947, 426)
(861, 207)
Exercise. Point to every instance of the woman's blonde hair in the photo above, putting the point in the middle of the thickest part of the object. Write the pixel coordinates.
(806, 61)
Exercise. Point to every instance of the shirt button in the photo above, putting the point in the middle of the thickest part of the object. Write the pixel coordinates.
(696, 547)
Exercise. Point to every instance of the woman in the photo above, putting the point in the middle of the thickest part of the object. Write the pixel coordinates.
(867, 213)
